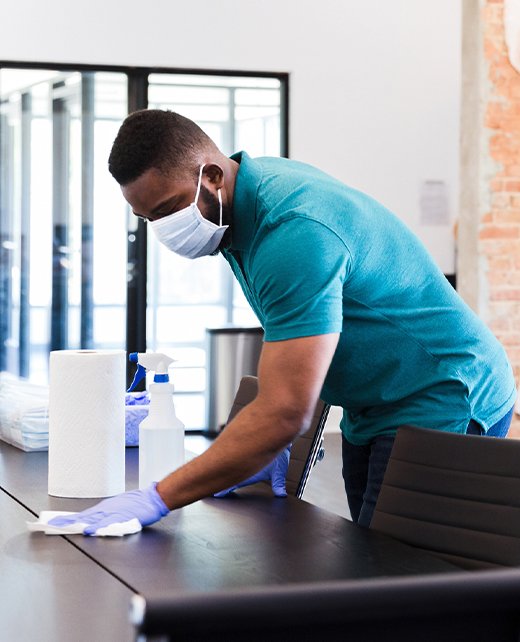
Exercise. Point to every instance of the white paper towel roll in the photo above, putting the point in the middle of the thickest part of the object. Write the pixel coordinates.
(87, 423)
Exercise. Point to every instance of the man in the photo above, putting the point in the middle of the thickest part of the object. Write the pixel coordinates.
(353, 308)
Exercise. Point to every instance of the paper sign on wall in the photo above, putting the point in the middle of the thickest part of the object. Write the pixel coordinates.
(433, 203)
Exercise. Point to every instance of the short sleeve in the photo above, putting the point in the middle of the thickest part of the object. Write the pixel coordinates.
(299, 270)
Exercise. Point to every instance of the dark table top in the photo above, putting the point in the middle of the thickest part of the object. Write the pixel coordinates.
(252, 537)
(45, 583)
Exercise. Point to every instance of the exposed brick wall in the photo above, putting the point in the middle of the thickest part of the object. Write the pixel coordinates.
(499, 232)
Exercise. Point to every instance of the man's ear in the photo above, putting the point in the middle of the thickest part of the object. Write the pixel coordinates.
(215, 174)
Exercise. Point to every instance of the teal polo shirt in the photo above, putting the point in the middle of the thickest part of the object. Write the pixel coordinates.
(314, 256)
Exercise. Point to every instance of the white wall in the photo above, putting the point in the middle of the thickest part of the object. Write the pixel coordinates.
(374, 87)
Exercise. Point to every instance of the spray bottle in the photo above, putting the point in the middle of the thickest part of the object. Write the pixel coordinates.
(161, 434)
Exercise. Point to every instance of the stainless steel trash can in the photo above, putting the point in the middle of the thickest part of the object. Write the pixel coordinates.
(232, 352)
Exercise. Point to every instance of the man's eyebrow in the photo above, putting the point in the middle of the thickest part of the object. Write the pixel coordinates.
(169, 201)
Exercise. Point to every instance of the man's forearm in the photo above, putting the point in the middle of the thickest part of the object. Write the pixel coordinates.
(249, 442)
(290, 375)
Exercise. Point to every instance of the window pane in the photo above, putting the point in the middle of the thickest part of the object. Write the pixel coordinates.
(63, 221)
(184, 279)
(185, 324)
(109, 227)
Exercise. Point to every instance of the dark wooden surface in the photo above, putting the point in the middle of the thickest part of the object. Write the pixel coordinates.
(252, 539)
(49, 590)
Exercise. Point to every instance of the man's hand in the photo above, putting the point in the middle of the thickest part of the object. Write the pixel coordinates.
(275, 472)
(145, 505)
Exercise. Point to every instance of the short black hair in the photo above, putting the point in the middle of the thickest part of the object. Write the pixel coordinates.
(155, 138)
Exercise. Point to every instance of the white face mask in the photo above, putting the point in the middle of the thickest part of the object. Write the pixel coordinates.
(187, 232)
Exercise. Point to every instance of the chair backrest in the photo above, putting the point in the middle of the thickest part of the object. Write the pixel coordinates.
(457, 496)
(305, 448)
(479, 606)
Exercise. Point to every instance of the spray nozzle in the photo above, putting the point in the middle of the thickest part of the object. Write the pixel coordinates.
(154, 361)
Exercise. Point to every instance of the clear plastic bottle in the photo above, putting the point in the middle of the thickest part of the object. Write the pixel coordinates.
(161, 433)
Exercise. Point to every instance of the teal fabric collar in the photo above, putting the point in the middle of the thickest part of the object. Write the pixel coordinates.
(247, 182)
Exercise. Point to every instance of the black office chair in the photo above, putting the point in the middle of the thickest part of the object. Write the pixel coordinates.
(306, 450)
(457, 496)
(452, 607)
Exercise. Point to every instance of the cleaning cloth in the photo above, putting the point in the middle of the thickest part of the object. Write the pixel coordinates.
(113, 530)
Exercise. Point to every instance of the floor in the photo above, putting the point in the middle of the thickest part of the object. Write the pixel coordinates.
(325, 486)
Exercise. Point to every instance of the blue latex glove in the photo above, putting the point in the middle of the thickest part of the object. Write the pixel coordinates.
(275, 472)
(137, 398)
(146, 505)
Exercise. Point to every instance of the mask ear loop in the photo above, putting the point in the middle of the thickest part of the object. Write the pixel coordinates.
(199, 183)
(219, 193)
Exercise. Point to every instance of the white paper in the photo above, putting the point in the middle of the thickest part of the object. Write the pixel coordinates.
(114, 530)
(433, 203)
